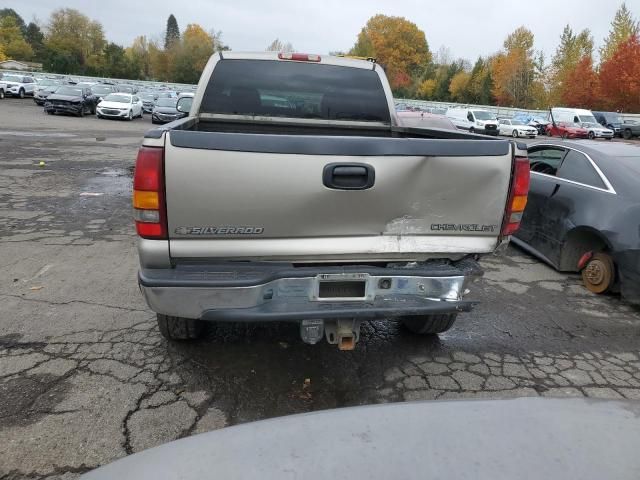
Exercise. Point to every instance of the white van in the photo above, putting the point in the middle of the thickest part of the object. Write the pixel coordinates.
(584, 118)
(474, 120)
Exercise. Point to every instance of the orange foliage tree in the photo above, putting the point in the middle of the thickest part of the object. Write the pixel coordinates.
(398, 44)
(620, 77)
(581, 85)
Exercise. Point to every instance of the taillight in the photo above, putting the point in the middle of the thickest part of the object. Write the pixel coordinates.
(299, 57)
(517, 197)
(149, 207)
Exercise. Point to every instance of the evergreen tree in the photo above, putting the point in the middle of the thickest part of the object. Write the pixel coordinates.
(173, 32)
(623, 27)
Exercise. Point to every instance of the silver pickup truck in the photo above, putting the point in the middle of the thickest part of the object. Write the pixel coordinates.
(291, 192)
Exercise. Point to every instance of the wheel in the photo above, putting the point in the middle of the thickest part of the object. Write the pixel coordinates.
(93, 110)
(592, 135)
(178, 328)
(130, 117)
(81, 114)
(565, 136)
(429, 324)
(100, 116)
(514, 134)
(472, 130)
(627, 134)
(609, 138)
(599, 273)
(49, 112)
(1, 94)
(21, 93)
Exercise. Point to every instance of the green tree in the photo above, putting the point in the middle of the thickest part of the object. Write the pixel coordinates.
(10, 12)
(480, 84)
(172, 35)
(192, 54)
(75, 41)
(623, 27)
(139, 56)
(35, 38)
(116, 64)
(398, 44)
(13, 43)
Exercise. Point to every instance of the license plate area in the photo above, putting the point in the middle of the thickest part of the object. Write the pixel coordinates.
(341, 287)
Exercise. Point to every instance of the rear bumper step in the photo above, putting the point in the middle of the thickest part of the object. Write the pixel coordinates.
(269, 292)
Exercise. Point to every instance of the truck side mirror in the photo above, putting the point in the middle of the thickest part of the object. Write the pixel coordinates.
(184, 105)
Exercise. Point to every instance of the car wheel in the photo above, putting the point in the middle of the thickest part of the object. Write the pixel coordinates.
(514, 134)
(429, 324)
(472, 130)
(49, 112)
(178, 328)
(565, 136)
(1, 94)
(21, 93)
(130, 117)
(592, 135)
(627, 134)
(599, 273)
(609, 138)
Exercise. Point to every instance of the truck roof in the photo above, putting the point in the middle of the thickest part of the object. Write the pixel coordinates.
(324, 59)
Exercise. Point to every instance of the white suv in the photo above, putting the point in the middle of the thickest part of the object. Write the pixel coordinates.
(19, 85)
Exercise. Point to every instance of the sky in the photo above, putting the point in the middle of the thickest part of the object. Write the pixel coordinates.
(467, 28)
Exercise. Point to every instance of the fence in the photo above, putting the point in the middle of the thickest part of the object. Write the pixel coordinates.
(499, 111)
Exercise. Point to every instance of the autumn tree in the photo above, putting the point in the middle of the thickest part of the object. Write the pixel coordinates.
(10, 12)
(398, 44)
(3, 57)
(480, 83)
(76, 42)
(11, 40)
(623, 27)
(426, 88)
(138, 56)
(513, 70)
(278, 46)
(581, 85)
(620, 77)
(571, 50)
(458, 88)
(192, 54)
(172, 35)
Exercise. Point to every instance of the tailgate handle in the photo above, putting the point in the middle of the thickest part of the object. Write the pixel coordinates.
(348, 176)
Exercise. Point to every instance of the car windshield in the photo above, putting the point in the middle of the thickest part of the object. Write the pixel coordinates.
(517, 122)
(590, 125)
(587, 119)
(612, 118)
(166, 102)
(70, 91)
(147, 96)
(118, 98)
(484, 115)
(47, 83)
(12, 78)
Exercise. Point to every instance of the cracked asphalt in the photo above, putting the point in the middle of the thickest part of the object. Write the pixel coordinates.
(85, 377)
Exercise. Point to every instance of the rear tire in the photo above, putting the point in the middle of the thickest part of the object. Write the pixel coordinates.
(1, 94)
(429, 324)
(627, 134)
(21, 93)
(178, 328)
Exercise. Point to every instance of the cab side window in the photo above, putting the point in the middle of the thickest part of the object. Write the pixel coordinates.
(470, 117)
(577, 168)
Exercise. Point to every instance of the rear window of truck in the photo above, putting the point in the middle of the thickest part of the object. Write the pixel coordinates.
(295, 90)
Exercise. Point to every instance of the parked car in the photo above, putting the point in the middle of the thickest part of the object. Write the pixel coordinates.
(71, 99)
(126, 88)
(45, 88)
(611, 120)
(424, 120)
(537, 122)
(165, 111)
(595, 130)
(516, 128)
(19, 85)
(474, 120)
(120, 105)
(582, 212)
(101, 90)
(3, 89)
(567, 130)
(356, 236)
(630, 129)
(148, 101)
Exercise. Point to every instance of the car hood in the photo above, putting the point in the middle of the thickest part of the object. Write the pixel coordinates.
(116, 105)
(525, 438)
(12, 84)
(166, 110)
(68, 98)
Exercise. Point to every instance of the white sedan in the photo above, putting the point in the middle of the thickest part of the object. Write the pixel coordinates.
(120, 105)
(516, 128)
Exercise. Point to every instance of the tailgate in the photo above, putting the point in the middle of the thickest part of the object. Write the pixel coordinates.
(323, 198)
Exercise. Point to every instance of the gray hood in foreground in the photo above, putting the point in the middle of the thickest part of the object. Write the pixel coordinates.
(527, 438)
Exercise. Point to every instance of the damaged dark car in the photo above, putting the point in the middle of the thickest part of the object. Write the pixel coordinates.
(583, 211)
(72, 100)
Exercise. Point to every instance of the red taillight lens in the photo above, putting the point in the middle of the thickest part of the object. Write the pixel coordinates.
(150, 210)
(299, 57)
(517, 196)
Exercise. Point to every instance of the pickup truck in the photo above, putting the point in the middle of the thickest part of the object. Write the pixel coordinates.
(318, 209)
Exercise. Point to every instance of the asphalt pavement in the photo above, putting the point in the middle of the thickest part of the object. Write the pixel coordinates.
(85, 377)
